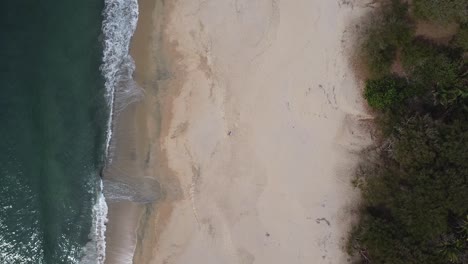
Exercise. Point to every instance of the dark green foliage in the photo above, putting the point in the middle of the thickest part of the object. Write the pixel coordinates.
(386, 92)
(442, 11)
(430, 65)
(415, 190)
(455, 95)
(387, 242)
(461, 39)
(437, 71)
(388, 30)
(412, 199)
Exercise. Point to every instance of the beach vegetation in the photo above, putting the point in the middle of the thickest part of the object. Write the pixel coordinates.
(386, 92)
(387, 30)
(430, 65)
(414, 184)
(461, 39)
(441, 11)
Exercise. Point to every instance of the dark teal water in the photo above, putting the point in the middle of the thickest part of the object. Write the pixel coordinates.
(52, 127)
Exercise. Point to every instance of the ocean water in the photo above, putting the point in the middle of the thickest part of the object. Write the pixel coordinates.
(64, 74)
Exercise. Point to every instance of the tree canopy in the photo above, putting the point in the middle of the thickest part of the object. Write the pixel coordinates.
(415, 184)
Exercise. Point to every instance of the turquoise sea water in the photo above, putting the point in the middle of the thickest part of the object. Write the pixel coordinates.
(53, 123)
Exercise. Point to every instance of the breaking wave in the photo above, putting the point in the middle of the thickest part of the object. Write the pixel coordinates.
(119, 23)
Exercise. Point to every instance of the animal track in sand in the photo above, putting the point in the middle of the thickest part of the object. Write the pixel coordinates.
(323, 219)
(330, 95)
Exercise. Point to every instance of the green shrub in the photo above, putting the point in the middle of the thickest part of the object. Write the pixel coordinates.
(386, 92)
(461, 39)
(442, 11)
(388, 30)
(415, 190)
(452, 96)
(415, 198)
(429, 65)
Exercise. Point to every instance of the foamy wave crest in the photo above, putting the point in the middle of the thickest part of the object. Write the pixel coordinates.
(119, 24)
(120, 21)
(94, 251)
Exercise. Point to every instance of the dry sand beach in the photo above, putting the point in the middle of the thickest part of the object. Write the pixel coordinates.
(249, 131)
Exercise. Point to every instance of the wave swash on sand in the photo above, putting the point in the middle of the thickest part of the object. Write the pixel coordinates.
(119, 24)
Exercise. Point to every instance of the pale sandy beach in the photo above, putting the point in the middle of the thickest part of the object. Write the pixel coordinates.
(251, 127)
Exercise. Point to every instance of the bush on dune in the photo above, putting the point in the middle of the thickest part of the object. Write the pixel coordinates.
(461, 39)
(442, 11)
(386, 92)
(438, 71)
(415, 198)
(430, 65)
(415, 189)
(388, 30)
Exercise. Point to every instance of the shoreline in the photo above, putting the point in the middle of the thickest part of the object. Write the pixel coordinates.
(139, 153)
(239, 145)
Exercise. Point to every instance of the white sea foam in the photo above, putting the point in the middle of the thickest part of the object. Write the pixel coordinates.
(94, 251)
(119, 24)
(120, 21)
